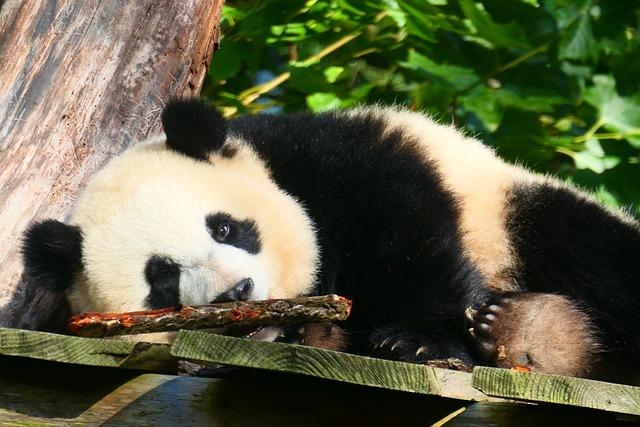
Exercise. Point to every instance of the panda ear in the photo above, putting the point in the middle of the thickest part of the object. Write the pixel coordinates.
(52, 253)
(193, 128)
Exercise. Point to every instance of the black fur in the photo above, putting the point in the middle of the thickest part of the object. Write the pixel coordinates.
(52, 253)
(387, 228)
(242, 234)
(163, 276)
(193, 128)
(35, 307)
(572, 246)
(228, 151)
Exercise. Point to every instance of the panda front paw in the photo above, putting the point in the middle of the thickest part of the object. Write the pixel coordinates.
(541, 332)
(483, 323)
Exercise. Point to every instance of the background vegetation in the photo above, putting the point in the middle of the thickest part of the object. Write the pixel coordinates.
(552, 84)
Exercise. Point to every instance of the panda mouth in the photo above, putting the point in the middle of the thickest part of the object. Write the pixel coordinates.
(241, 291)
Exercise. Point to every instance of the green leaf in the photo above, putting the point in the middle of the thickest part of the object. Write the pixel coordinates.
(419, 20)
(392, 8)
(332, 73)
(521, 138)
(614, 112)
(501, 35)
(291, 32)
(231, 15)
(377, 76)
(593, 157)
(594, 147)
(458, 77)
(579, 42)
(318, 102)
(482, 102)
(228, 59)
(488, 104)
(528, 99)
(434, 98)
(587, 160)
(308, 79)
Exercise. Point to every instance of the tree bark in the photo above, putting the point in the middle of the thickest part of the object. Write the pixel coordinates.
(326, 308)
(79, 82)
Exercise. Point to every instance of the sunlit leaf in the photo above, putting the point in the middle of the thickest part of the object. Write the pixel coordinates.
(332, 73)
(502, 35)
(614, 112)
(323, 101)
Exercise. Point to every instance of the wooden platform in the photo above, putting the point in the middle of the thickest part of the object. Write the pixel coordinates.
(57, 380)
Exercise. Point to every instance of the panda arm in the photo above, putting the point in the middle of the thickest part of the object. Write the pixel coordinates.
(387, 228)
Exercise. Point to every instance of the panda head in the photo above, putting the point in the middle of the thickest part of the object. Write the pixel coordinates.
(190, 219)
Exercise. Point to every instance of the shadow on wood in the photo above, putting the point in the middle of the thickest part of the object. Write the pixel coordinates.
(48, 393)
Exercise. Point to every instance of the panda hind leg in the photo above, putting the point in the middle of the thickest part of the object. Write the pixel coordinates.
(542, 332)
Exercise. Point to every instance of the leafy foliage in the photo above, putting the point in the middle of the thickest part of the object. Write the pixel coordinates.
(552, 84)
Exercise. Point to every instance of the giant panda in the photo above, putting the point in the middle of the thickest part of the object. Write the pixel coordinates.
(445, 250)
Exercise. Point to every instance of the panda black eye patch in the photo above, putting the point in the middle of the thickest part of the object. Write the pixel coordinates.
(229, 231)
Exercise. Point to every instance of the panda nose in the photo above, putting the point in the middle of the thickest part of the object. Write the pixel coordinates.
(240, 292)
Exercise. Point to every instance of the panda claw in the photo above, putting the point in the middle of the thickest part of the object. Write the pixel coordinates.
(421, 350)
(470, 313)
(482, 323)
(396, 345)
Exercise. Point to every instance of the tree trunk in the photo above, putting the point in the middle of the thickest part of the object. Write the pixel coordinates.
(79, 82)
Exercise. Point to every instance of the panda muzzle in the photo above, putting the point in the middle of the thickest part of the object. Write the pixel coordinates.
(241, 291)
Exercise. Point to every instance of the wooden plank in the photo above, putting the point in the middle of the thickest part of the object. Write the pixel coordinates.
(79, 82)
(486, 414)
(86, 351)
(505, 383)
(325, 364)
(39, 393)
(486, 384)
(43, 393)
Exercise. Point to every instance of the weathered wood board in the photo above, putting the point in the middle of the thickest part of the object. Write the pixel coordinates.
(619, 398)
(79, 82)
(484, 385)
(43, 393)
(479, 386)
(325, 364)
(86, 351)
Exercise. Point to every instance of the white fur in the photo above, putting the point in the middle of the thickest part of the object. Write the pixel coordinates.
(152, 201)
